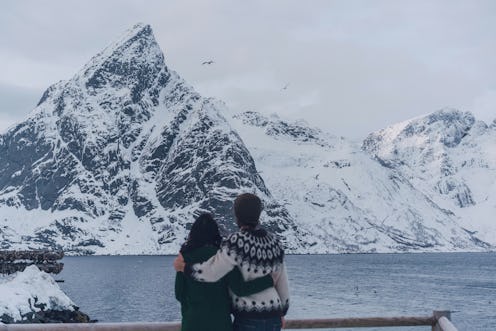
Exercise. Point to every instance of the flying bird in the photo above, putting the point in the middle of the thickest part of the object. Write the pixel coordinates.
(208, 62)
(285, 87)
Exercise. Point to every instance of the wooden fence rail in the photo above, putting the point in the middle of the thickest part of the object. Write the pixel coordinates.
(439, 321)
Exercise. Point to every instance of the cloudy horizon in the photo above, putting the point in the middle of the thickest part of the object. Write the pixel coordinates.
(349, 67)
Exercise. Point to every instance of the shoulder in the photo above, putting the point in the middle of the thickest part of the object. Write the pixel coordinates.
(255, 246)
(264, 237)
(234, 241)
(250, 237)
(232, 237)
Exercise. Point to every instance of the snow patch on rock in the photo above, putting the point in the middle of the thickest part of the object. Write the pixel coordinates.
(31, 291)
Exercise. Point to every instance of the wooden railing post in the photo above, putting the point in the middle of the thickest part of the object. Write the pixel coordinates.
(443, 321)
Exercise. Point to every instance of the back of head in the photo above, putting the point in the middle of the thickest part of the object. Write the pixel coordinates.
(247, 209)
(204, 232)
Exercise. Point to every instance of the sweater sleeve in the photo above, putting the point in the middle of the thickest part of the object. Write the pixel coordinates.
(213, 269)
(179, 286)
(282, 287)
(243, 288)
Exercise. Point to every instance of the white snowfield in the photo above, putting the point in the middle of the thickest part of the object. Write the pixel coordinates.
(25, 292)
(121, 157)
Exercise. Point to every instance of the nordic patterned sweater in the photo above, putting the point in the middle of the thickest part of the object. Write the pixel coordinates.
(256, 253)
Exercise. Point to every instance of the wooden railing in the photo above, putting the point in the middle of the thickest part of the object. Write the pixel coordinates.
(439, 321)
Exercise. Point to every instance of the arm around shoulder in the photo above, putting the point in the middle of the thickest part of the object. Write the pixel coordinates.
(213, 269)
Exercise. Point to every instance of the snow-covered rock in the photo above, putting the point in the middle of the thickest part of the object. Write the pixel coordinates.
(32, 296)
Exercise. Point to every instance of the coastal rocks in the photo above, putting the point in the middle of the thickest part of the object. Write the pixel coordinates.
(48, 316)
(14, 261)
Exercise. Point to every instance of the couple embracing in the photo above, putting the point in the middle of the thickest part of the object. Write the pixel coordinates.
(243, 274)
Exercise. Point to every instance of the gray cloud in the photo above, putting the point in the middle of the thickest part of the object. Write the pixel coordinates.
(353, 66)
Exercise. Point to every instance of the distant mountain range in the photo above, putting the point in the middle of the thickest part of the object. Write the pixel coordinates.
(121, 157)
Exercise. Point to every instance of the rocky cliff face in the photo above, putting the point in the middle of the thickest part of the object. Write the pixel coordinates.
(121, 157)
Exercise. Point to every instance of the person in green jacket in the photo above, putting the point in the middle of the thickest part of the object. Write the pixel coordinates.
(207, 306)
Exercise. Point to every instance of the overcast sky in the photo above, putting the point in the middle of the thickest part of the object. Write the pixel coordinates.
(352, 66)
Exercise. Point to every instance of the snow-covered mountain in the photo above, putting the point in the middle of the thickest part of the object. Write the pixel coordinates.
(451, 158)
(348, 201)
(119, 158)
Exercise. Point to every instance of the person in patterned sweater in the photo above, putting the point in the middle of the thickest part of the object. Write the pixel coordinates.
(256, 253)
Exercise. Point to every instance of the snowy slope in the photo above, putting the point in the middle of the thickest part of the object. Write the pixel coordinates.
(348, 201)
(451, 158)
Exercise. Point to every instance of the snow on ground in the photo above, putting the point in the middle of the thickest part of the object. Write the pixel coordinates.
(29, 291)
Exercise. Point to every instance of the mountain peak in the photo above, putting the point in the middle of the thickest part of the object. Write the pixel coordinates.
(450, 115)
(139, 28)
(447, 126)
(135, 54)
(136, 32)
(134, 62)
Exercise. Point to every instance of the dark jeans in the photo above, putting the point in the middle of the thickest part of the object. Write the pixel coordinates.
(249, 324)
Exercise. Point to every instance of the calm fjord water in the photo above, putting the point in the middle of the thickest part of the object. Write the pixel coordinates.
(140, 288)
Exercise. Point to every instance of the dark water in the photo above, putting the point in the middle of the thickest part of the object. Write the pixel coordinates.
(140, 288)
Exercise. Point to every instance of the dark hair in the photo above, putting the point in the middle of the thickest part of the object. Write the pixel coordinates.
(247, 209)
(204, 231)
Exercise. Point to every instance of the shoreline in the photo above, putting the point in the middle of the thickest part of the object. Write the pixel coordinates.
(307, 254)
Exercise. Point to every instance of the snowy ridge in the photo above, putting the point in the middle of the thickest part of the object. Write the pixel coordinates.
(121, 157)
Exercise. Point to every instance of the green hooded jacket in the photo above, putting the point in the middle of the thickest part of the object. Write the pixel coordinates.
(207, 306)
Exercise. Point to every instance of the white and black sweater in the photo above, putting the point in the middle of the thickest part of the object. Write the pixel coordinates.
(256, 253)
